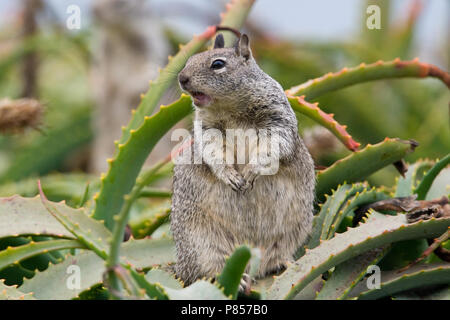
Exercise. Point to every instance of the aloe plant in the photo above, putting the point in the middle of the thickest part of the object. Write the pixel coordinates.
(87, 230)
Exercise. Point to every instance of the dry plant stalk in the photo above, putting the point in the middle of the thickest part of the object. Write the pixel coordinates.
(17, 115)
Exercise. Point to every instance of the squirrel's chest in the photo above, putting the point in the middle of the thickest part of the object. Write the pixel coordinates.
(269, 205)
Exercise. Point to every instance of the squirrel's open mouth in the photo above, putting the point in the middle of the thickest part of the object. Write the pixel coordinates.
(200, 99)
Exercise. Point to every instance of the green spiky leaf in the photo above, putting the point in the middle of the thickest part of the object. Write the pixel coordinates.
(53, 283)
(344, 246)
(427, 181)
(373, 158)
(26, 216)
(13, 255)
(416, 277)
(92, 233)
(12, 293)
(234, 268)
(199, 290)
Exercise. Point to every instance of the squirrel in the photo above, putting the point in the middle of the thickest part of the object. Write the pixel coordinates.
(219, 206)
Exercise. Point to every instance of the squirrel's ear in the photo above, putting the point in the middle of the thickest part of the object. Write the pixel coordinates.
(219, 43)
(242, 47)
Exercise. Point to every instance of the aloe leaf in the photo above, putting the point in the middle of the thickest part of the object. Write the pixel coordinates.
(92, 233)
(416, 277)
(131, 155)
(231, 275)
(312, 110)
(336, 202)
(57, 186)
(199, 290)
(360, 198)
(438, 294)
(440, 186)
(403, 252)
(25, 216)
(52, 283)
(348, 274)
(143, 131)
(327, 211)
(374, 157)
(427, 181)
(344, 246)
(164, 278)
(363, 73)
(12, 293)
(120, 224)
(406, 185)
(311, 290)
(155, 193)
(236, 12)
(153, 291)
(148, 222)
(12, 255)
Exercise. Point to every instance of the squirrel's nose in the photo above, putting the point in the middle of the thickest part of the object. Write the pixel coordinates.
(183, 79)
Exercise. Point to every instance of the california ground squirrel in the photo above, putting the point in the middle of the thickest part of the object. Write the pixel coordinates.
(217, 207)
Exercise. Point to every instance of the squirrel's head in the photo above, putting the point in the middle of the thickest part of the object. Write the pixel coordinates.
(216, 75)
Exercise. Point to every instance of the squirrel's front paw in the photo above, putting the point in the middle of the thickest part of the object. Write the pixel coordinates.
(234, 179)
(249, 174)
(246, 284)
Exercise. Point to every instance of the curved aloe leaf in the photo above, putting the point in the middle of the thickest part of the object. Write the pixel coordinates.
(199, 290)
(57, 186)
(52, 283)
(312, 110)
(12, 293)
(348, 274)
(142, 132)
(405, 185)
(131, 155)
(13, 255)
(439, 294)
(427, 181)
(332, 207)
(416, 277)
(153, 291)
(231, 275)
(403, 252)
(164, 278)
(234, 16)
(360, 198)
(328, 210)
(374, 157)
(92, 233)
(25, 216)
(349, 244)
(363, 73)
(155, 193)
(440, 186)
(147, 223)
(119, 229)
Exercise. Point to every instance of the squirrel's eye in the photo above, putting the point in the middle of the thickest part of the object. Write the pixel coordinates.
(218, 64)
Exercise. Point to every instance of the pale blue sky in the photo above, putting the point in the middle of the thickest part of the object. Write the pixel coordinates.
(300, 19)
